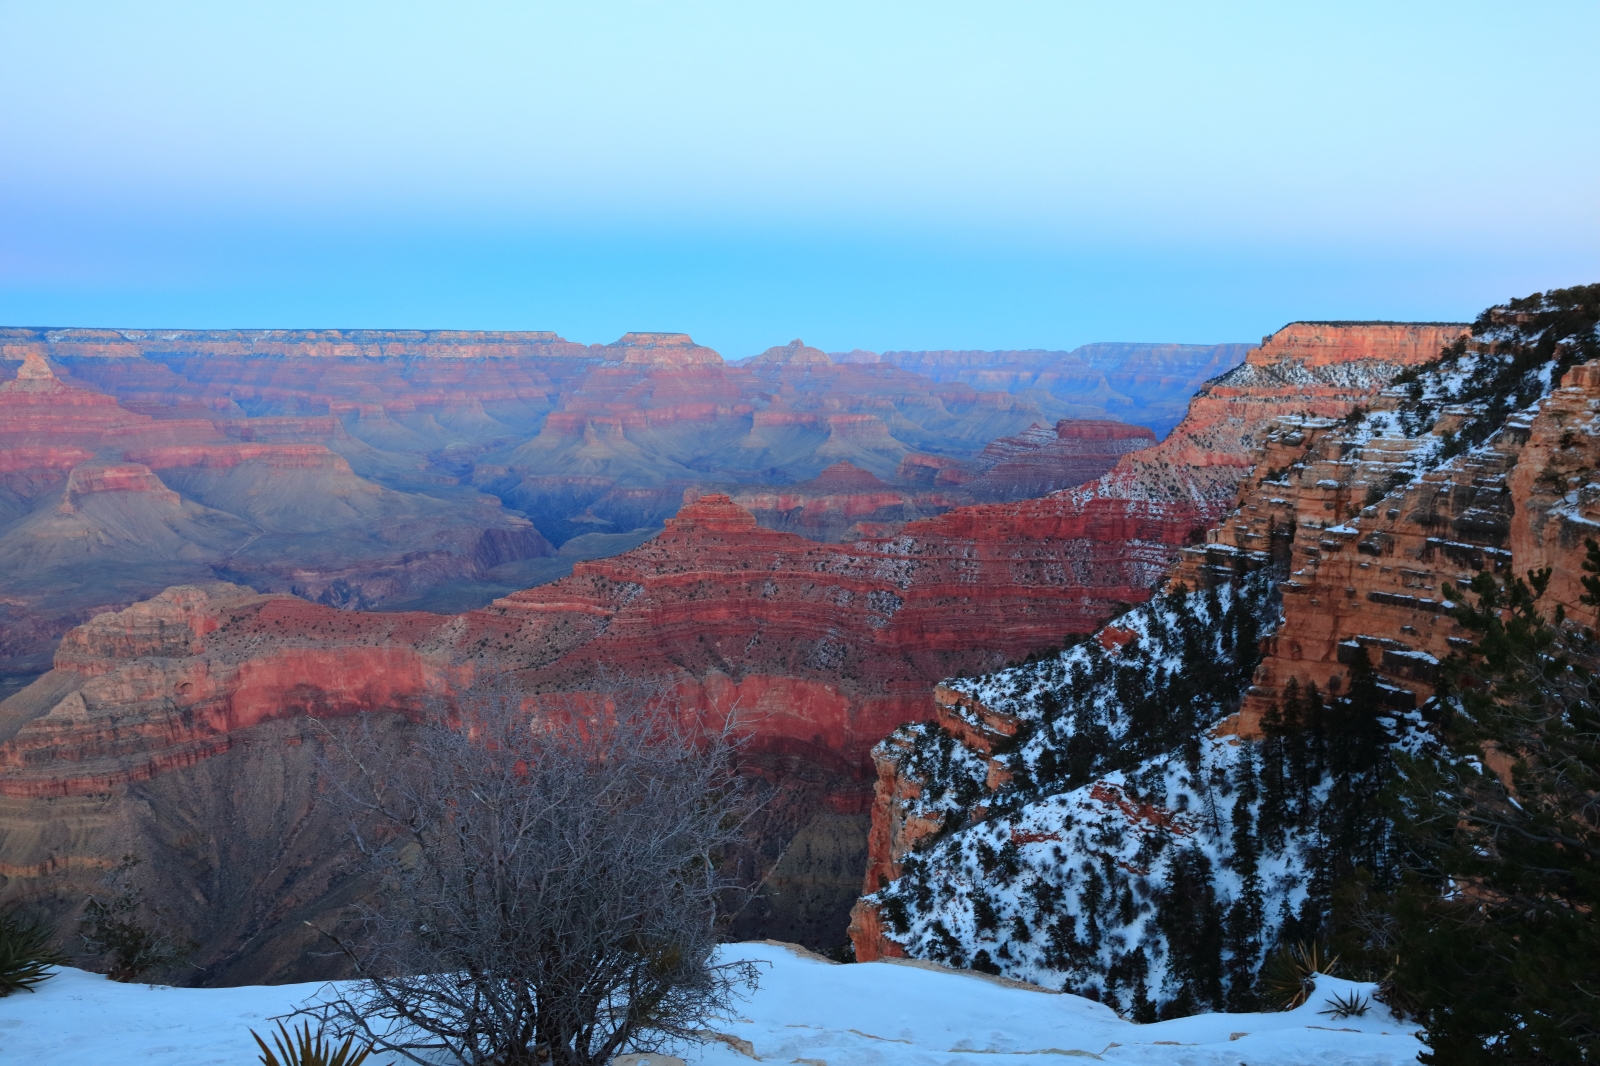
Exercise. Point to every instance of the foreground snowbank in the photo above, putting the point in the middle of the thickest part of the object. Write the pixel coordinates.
(806, 1010)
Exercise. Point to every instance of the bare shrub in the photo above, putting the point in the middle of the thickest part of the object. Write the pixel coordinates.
(549, 879)
(128, 934)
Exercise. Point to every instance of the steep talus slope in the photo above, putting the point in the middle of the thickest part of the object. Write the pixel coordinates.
(1148, 814)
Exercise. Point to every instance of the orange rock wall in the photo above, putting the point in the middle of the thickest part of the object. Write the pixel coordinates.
(1368, 580)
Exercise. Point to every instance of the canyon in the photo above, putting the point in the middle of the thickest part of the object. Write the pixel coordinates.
(437, 470)
(185, 728)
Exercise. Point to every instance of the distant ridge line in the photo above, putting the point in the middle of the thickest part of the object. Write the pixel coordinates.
(1365, 322)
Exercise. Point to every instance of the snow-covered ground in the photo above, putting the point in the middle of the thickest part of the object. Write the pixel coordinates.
(806, 1011)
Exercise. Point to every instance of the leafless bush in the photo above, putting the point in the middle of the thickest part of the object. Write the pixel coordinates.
(549, 879)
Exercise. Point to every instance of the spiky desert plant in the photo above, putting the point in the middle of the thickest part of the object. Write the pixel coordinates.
(1350, 1005)
(305, 1048)
(1291, 975)
(26, 955)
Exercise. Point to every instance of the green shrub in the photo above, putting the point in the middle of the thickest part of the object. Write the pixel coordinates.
(305, 1049)
(25, 955)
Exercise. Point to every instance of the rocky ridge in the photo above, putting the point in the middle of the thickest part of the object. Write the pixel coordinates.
(1077, 840)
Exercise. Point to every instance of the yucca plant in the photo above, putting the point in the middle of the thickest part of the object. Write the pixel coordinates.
(305, 1048)
(1289, 977)
(25, 955)
(1349, 1005)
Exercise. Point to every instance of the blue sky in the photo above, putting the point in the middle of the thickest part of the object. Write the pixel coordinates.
(861, 175)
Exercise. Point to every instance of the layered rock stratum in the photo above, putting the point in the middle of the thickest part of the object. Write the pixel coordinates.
(425, 469)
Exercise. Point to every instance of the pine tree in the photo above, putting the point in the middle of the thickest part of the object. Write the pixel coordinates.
(1245, 916)
(1499, 928)
(1190, 915)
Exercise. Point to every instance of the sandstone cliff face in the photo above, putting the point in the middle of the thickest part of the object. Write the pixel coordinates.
(1369, 544)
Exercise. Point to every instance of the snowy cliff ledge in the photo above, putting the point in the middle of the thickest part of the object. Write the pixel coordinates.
(806, 1010)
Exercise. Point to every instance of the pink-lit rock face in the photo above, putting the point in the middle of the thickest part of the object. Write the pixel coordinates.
(1368, 564)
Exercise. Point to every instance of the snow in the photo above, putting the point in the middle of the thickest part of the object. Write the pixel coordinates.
(804, 1010)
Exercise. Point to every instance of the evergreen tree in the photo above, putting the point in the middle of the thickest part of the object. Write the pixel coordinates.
(1189, 914)
(1245, 916)
(1499, 928)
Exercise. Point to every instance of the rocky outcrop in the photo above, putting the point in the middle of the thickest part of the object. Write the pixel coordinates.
(1040, 460)
(1235, 450)
(1368, 562)
(795, 353)
(1553, 486)
(183, 677)
(661, 349)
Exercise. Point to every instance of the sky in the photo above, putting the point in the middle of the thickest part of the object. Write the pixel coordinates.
(873, 175)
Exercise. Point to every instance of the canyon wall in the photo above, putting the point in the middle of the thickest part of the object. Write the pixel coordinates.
(101, 505)
(1368, 560)
(1359, 522)
(825, 647)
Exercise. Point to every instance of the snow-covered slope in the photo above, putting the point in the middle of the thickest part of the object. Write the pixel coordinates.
(1128, 855)
(805, 1010)
(1148, 817)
